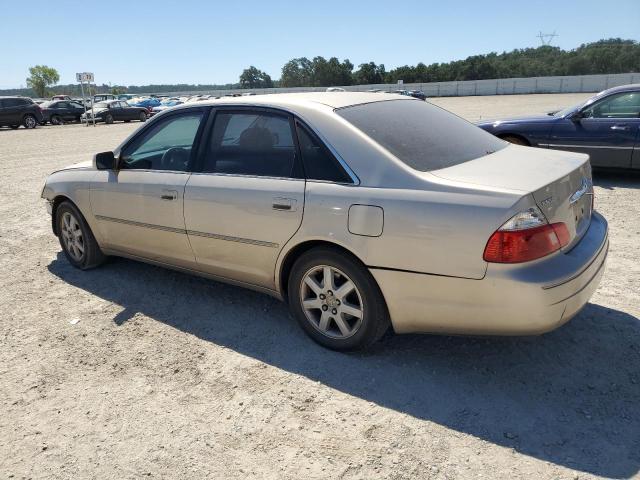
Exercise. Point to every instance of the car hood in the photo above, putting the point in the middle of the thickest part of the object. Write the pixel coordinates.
(518, 120)
(96, 110)
(80, 165)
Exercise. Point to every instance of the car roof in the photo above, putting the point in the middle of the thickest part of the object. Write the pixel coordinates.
(623, 88)
(333, 100)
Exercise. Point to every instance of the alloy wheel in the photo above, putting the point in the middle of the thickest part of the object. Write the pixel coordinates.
(72, 236)
(331, 302)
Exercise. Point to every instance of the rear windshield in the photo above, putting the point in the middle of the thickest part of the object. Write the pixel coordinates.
(423, 136)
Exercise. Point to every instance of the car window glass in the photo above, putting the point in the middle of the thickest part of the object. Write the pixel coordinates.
(421, 135)
(62, 105)
(165, 146)
(259, 144)
(622, 105)
(76, 105)
(319, 163)
(11, 102)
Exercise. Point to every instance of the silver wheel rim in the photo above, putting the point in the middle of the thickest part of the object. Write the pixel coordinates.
(30, 121)
(55, 120)
(331, 302)
(72, 236)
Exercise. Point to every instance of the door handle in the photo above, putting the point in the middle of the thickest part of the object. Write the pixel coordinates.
(169, 195)
(284, 204)
(620, 127)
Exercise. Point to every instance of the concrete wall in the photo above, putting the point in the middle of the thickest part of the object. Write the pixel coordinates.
(503, 86)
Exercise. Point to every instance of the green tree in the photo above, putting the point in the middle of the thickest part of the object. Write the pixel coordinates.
(297, 72)
(369, 73)
(253, 78)
(42, 77)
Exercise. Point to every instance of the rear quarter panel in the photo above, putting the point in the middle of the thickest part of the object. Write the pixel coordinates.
(436, 232)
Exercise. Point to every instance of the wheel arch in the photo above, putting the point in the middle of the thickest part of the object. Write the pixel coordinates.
(503, 135)
(55, 203)
(296, 251)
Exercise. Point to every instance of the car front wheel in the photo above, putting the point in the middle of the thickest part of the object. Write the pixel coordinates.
(108, 118)
(55, 120)
(29, 121)
(76, 239)
(143, 117)
(336, 300)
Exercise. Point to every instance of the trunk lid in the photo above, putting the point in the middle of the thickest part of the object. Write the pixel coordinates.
(560, 182)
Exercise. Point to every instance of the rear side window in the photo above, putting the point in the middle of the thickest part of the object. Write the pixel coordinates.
(423, 136)
(257, 144)
(319, 163)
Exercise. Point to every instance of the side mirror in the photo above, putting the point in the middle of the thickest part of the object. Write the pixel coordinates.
(576, 116)
(106, 161)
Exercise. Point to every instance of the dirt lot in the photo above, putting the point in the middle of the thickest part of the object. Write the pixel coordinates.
(133, 371)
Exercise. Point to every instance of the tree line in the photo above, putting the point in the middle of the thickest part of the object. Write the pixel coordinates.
(605, 56)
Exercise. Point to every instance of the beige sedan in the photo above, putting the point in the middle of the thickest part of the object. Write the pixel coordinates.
(361, 210)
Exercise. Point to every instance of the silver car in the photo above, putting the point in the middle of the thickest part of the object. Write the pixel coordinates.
(361, 210)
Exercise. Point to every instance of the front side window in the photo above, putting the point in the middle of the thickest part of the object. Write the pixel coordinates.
(258, 144)
(622, 105)
(421, 135)
(319, 163)
(165, 146)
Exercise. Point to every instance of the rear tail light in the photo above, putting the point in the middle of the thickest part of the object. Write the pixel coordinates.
(524, 237)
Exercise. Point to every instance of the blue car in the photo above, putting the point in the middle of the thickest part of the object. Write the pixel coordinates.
(606, 127)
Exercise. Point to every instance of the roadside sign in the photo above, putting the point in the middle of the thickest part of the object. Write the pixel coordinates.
(84, 77)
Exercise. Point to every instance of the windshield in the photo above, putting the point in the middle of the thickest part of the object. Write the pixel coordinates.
(423, 136)
(101, 105)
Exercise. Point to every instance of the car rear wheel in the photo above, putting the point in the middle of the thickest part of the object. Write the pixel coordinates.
(108, 118)
(515, 140)
(143, 117)
(336, 300)
(77, 241)
(29, 121)
(55, 120)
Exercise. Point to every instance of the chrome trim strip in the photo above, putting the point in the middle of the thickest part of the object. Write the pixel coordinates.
(189, 232)
(233, 239)
(583, 146)
(140, 224)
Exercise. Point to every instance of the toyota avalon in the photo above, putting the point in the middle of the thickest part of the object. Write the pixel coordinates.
(360, 210)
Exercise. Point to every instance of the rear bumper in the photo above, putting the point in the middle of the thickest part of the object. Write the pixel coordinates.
(524, 299)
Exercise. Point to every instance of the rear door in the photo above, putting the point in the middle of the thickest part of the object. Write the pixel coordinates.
(140, 207)
(606, 131)
(247, 198)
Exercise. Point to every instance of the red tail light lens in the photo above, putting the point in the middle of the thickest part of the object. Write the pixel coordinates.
(525, 237)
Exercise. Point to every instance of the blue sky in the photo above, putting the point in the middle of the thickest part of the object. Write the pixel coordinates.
(188, 41)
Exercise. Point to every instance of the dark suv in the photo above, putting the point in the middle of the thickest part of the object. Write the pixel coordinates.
(16, 111)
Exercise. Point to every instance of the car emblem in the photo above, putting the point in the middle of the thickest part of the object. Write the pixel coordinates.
(578, 194)
(547, 202)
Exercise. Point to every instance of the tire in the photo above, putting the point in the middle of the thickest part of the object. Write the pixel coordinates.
(29, 121)
(82, 250)
(325, 304)
(14, 127)
(142, 117)
(55, 120)
(515, 140)
(108, 118)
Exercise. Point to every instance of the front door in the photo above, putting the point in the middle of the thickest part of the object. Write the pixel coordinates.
(246, 200)
(606, 131)
(139, 207)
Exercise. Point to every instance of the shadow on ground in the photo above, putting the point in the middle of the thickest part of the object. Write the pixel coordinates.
(611, 179)
(570, 397)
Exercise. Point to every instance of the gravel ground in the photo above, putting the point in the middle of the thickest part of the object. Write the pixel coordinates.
(133, 371)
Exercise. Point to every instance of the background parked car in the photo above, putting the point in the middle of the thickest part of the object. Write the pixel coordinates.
(412, 93)
(16, 111)
(114, 111)
(61, 97)
(58, 112)
(103, 97)
(605, 127)
(167, 103)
